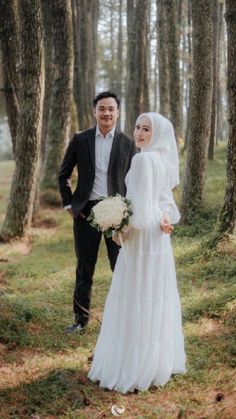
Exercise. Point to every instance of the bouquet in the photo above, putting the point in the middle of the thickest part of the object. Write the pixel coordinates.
(110, 214)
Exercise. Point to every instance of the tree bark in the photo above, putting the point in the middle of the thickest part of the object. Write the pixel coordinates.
(227, 219)
(137, 91)
(173, 64)
(202, 85)
(85, 19)
(47, 19)
(120, 54)
(49, 70)
(112, 63)
(130, 64)
(219, 119)
(59, 124)
(20, 206)
(164, 107)
(212, 139)
(9, 36)
(189, 81)
(119, 67)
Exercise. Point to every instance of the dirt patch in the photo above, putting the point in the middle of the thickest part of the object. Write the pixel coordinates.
(222, 404)
(45, 223)
(24, 248)
(227, 246)
(3, 281)
(207, 327)
(210, 327)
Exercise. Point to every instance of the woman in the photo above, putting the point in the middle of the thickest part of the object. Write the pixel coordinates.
(141, 340)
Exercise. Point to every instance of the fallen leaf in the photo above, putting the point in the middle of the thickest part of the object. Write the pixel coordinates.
(4, 260)
(11, 346)
(81, 379)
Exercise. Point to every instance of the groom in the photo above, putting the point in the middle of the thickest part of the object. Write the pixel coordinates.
(102, 156)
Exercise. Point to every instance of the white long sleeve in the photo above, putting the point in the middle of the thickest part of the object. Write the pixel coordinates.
(167, 204)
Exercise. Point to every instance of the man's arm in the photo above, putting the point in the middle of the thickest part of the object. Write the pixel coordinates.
(66, 170)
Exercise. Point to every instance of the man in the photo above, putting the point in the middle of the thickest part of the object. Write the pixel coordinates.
(103, 157)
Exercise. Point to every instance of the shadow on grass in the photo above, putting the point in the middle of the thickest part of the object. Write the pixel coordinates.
(58, 392)
(206, 352)
(202, 224)
(213, 307)
(54, 247)
(25, 326)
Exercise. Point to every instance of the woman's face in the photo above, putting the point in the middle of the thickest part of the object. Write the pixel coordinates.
(143, 132)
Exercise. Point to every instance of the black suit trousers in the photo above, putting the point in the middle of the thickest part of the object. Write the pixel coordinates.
(87, 240)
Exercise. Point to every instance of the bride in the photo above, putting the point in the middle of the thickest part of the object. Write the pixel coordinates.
(141, 341)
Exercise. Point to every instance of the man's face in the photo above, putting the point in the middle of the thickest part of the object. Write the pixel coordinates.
(106, 113)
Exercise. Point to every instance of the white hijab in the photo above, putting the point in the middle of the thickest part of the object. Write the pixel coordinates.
(163, 140)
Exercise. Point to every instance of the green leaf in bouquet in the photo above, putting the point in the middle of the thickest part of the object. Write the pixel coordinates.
(108, 233)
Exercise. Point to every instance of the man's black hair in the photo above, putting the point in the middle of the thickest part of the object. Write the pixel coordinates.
(104, 95)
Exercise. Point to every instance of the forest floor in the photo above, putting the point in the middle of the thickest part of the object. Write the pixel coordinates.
(43, 371)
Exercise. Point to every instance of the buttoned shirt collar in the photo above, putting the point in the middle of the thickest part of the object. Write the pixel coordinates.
(110, 134)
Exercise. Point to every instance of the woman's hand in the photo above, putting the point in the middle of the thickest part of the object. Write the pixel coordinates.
(124, 233)
(116, 239)
(165, 224)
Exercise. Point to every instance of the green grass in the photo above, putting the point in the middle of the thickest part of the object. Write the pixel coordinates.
(43, 371)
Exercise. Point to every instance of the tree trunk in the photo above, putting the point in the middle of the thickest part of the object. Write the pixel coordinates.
(119, 72)
(173, 64)
(112, 64)
(212, 139)
(137, 92)
(49, 70)
(9, 36)
(120, 54)
(59, 124)
(47, 18)
(164, 107)
(189, 81)
(85, 18)
(202, 85)
(227, 220)
(130, 65)
(179, 17)
(20, 206)
(219, 119)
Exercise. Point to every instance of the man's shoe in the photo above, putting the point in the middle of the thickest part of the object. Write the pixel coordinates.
(75, 327)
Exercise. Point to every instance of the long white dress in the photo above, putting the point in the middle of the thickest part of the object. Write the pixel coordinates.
(141, 340)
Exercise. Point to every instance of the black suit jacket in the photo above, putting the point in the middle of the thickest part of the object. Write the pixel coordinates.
(81, 153)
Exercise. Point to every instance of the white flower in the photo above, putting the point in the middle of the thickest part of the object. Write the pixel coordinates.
(110, 214)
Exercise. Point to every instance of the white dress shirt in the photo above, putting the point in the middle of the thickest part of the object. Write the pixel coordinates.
(103, 145)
